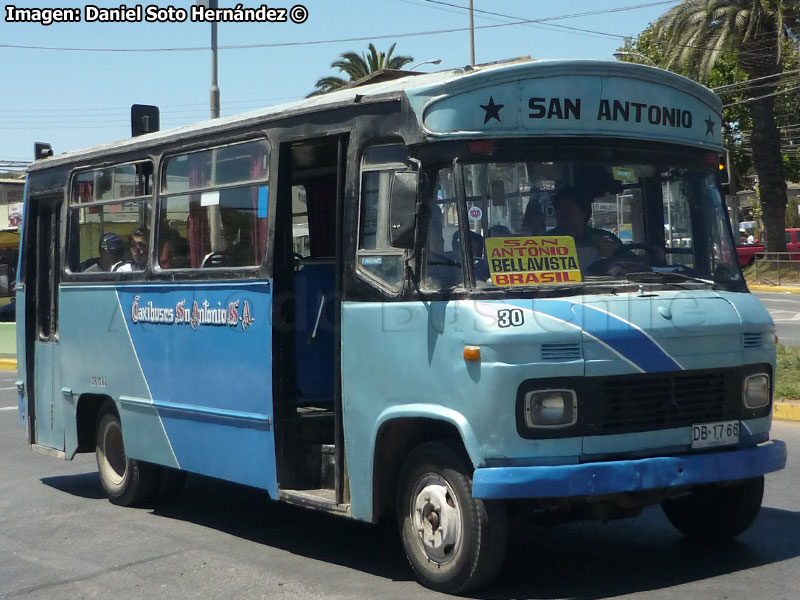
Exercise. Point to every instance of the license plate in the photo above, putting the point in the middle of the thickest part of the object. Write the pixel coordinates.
(715, 434)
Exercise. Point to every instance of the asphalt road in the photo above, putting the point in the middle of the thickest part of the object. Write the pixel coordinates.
(59, 538)
(785, 310)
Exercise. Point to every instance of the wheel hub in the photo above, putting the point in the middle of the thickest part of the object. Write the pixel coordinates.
(114, 453)
(437, 518)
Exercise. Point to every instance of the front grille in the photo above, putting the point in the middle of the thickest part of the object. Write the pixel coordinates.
(661, 401)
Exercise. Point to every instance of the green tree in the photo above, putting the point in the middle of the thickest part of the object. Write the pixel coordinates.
(736, 122)
(357, 66)
(696, 34)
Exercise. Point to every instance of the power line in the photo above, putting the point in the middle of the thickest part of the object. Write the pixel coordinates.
(334, 41)
(751, 81)
(121, 114)
(548, 26)
(561, 17)
(127, 108)
(761, 97)
(520, 20)
(545, 26)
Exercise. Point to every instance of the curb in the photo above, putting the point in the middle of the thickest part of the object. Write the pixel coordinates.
(8, 364)
(756, 287)
(786, 410)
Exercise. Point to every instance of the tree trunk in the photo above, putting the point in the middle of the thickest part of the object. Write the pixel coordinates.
(759, 58)
(768, 162)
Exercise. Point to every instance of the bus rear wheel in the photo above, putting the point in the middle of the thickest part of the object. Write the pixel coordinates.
(716, 512)
(453, 541)
(126, 481)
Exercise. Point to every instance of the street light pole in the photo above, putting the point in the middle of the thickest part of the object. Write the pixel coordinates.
(471, 35)
(647, 59)
(425, 62)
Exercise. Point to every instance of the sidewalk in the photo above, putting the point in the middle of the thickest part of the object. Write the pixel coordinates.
(786, 410)
(760, 287)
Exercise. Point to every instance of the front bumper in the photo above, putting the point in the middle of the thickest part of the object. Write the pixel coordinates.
(619, 476)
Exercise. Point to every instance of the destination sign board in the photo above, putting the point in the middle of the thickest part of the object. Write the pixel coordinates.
(576, 104)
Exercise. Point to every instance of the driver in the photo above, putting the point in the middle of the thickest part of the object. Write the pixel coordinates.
(572, 218)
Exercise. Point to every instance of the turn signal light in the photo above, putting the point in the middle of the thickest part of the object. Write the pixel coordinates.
(472, 353)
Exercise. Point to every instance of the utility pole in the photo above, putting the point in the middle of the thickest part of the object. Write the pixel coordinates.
(214, 95)
(471, 35)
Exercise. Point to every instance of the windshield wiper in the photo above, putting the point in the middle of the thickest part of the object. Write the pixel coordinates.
(666, 277)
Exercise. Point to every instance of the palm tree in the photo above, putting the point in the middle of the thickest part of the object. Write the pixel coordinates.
(696, 33)
(357, 66)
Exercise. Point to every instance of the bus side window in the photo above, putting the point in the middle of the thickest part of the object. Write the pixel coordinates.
(109, 207)
(376, 258)
(214, 206)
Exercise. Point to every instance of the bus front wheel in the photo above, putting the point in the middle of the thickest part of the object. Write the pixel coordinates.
(716, 512)
(126, 481)
(453, 541)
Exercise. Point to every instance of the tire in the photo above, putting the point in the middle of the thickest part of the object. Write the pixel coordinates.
(126, 481)
(453, 541)
(170, 484)
(716, 512)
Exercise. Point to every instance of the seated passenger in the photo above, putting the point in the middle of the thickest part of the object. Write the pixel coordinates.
(481, 265)
(139, 241)
(499, 231)
(442, 268)
(175, 253)
(533, 221)
(112, 249)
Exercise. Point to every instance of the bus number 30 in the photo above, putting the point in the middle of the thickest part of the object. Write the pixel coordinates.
(510, 318)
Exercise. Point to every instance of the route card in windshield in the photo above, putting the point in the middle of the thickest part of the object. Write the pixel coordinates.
(536, 260)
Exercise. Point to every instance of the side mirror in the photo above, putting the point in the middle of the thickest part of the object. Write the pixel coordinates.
(403, 194)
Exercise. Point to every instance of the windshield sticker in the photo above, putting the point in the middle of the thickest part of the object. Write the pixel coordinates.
(475, 214)
(539, 260)
(625, 174)
(203, 314)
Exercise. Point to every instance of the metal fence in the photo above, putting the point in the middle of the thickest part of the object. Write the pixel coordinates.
(777, 267)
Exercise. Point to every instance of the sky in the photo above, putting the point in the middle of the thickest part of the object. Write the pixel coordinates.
(75, 99)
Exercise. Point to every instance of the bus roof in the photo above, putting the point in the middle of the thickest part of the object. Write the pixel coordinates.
(454, 103)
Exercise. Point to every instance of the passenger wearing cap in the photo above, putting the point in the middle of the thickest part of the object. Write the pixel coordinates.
(112, 249)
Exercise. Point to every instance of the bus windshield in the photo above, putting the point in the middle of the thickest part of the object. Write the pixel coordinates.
(534, 222)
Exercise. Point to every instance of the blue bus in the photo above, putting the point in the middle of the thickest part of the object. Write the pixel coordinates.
(285, 300)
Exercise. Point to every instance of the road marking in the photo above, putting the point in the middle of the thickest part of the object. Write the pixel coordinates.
(8, 408)
(2, 389)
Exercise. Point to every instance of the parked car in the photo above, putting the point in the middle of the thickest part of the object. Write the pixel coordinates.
(793, 242)
(747, 252)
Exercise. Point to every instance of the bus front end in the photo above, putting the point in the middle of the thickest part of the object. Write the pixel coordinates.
(575, 322)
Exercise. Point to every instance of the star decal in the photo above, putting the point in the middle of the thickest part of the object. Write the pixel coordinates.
(492, 110)
(709, 126)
